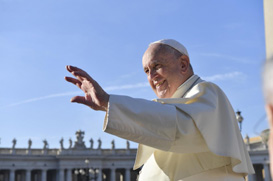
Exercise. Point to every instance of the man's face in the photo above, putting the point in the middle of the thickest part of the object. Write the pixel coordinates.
(164, 71)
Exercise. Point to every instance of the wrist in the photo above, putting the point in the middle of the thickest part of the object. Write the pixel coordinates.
(105, 105)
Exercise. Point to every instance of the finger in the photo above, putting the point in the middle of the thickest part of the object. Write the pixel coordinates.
(82, 75)
(80, 78)
(82, 100)
(79, 73)
(72, 80)
(79, 99)
(71, 68)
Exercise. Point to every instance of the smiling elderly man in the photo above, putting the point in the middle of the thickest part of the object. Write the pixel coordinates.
(189, 133)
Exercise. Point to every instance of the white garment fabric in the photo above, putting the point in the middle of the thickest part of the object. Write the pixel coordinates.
(192, 133)
(151, 171)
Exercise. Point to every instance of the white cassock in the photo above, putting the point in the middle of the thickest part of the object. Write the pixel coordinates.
(190, 137)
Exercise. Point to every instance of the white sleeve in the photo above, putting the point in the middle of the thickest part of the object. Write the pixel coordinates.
(157, 125)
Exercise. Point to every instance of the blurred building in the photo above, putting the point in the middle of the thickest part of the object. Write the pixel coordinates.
(258, 151)
(76, 163)
(81, 163)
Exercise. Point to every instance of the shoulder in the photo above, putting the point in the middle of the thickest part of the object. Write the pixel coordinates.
(205, 88)
(208, 85)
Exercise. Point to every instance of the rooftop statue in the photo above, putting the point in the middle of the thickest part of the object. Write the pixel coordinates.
(14, 141)
(99, 143)
(113, 144)
(79, 143)
(62, 143)
(127, 145)
(29, 144)
(91, 143)
(70, 143)
(45, 144)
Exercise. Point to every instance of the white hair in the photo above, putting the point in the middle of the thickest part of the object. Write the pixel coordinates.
(268, 81)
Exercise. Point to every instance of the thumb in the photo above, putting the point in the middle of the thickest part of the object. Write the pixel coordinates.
(78, 99)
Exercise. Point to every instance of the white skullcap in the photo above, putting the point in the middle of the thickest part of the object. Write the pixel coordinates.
(174, 44)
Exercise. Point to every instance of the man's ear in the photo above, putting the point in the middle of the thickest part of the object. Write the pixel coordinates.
(184, 63)
(269, 112)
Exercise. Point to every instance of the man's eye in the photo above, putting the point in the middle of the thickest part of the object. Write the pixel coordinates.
(146, 71)
(157, 66)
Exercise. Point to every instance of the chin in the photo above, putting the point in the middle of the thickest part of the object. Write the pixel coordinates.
(162, 96)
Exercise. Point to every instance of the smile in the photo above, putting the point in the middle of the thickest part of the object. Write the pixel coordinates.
(159, 84)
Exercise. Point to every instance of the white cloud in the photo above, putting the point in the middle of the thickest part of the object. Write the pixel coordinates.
(227, 57)
(226, 76)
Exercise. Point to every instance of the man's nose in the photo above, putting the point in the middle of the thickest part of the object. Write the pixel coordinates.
(152, 74)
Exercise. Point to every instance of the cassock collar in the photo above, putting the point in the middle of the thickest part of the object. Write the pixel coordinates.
(183, 88)
(186, 86)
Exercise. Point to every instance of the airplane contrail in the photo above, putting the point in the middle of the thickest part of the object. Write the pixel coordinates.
(111, 88)
(230, 75)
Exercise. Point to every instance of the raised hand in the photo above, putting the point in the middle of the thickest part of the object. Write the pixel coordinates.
(95, 97)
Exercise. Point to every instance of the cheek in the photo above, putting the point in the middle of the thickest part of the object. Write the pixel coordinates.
(161, 72)
(150, 82)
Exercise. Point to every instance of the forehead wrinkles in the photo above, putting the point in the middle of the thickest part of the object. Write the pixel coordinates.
(150, 52)
(158, 50)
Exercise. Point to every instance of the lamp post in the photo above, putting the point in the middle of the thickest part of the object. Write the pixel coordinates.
(265, 136)
(90, 173)
(239, 119)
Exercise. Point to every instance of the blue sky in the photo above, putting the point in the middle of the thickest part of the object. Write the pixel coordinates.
(225, 41)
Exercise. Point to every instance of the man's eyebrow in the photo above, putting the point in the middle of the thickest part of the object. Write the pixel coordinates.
(155, 62)
(152, 63)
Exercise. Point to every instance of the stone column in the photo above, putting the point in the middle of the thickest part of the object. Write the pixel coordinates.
(44, 175)
(267, 172)
(251, 177)
(28, 175)
(12, 175)
(100, 175)
(69, 174)
(6, 176)
(113, 174)
(258, 172)
(127, 174)
(61, 174)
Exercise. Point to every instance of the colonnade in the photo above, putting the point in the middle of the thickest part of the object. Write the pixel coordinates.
(68, 174)
(262, 172)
